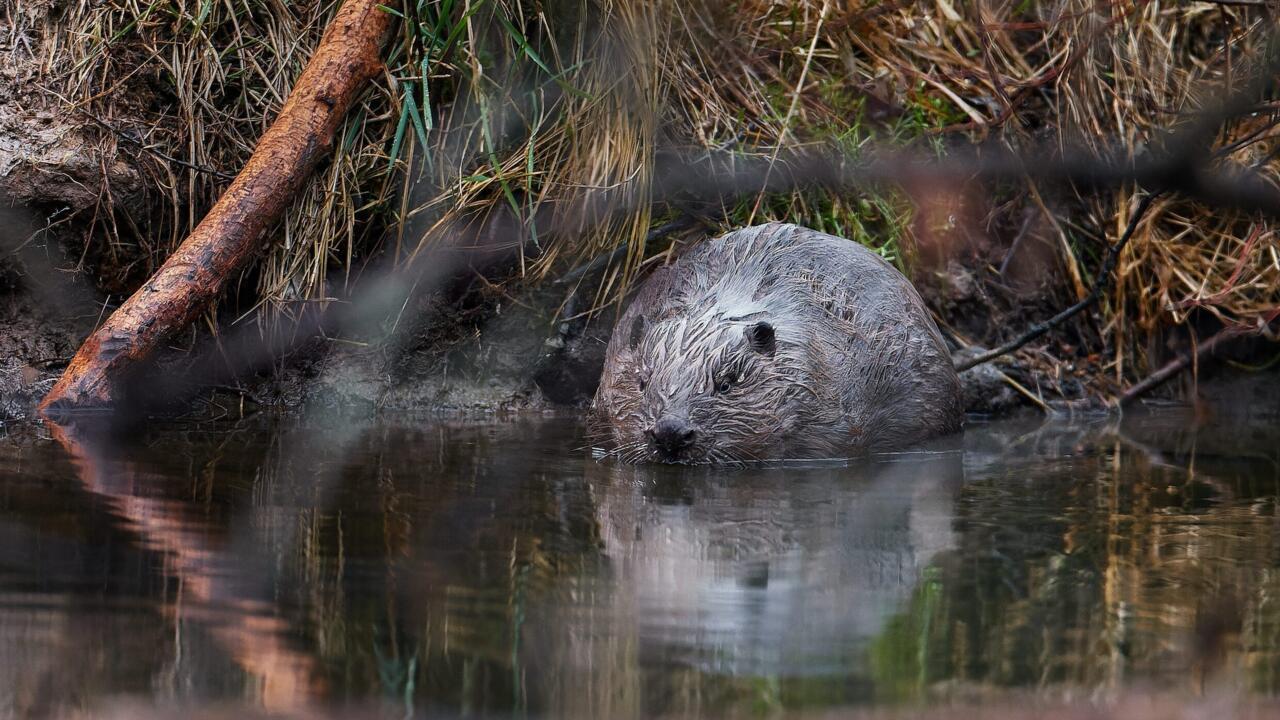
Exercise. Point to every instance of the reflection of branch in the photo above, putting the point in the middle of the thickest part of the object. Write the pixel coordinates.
(246, 627)
(1100, 284)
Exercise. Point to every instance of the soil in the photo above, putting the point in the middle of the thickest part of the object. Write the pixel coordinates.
(32, 350)
(481, 350)
(54, 160)
(42, 322)
(467, 355)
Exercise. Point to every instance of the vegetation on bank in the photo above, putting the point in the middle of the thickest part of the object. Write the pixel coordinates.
(554, 127)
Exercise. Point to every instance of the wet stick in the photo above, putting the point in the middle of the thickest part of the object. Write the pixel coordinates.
(1182, 362)
(347, 58)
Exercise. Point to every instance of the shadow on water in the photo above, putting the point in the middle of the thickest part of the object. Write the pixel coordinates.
(432, 567)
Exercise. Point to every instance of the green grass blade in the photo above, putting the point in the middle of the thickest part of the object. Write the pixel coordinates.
(399, 137)
(418, 126)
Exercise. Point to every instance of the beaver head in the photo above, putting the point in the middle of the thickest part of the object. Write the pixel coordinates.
(702, 384)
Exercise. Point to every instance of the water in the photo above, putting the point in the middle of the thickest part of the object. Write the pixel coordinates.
(440, 568)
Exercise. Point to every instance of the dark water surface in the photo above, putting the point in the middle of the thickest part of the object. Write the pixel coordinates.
(436, 567)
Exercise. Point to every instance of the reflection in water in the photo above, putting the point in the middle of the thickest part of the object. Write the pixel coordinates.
(775, 572)
(437, 567)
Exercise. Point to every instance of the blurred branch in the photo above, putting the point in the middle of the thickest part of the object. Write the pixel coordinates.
(1243, 3)
(683, 222)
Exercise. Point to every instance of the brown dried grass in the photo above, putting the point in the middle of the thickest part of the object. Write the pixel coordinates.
(1114, 76)
(558, 111)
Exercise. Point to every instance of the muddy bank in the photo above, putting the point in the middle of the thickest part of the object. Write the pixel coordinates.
(85, 185)
(474, 346)
(85, 203)
(471, 346)
(482, 348)
(43, 315)
(34, 347)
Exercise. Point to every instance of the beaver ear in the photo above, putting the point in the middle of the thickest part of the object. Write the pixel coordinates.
(760, 337)
(637, 332)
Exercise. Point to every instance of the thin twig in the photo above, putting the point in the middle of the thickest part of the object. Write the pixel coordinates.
(1017, 241)
(1176, 366)
(151, 149)
(1100, 285)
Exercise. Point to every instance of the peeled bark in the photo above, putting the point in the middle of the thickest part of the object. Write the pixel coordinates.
(347, 58)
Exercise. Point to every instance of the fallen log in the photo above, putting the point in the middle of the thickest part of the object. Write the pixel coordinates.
(348, 57)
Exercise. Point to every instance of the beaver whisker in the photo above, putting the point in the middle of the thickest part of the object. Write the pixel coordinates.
(634, 447)
(746, 455)
(620, 449)
(636, 453)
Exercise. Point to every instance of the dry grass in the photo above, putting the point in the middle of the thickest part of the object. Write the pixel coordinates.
(551, 117)
(1114, 75)
(199, 81)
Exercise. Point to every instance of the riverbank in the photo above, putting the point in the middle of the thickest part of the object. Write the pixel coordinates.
(117, 132)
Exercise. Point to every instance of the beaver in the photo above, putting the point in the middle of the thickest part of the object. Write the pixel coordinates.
(774, 342)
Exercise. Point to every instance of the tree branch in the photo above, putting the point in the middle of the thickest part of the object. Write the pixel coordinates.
(347, 58)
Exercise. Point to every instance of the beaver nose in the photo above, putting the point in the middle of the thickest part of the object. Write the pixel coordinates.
(672, 435)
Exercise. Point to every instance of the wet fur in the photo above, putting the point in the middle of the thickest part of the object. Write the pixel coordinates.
(857, 365)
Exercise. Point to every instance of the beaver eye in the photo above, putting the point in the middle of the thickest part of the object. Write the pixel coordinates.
(642, 382)
(725, 383)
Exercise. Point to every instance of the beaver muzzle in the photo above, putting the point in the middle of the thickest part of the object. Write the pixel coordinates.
(671, 437)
